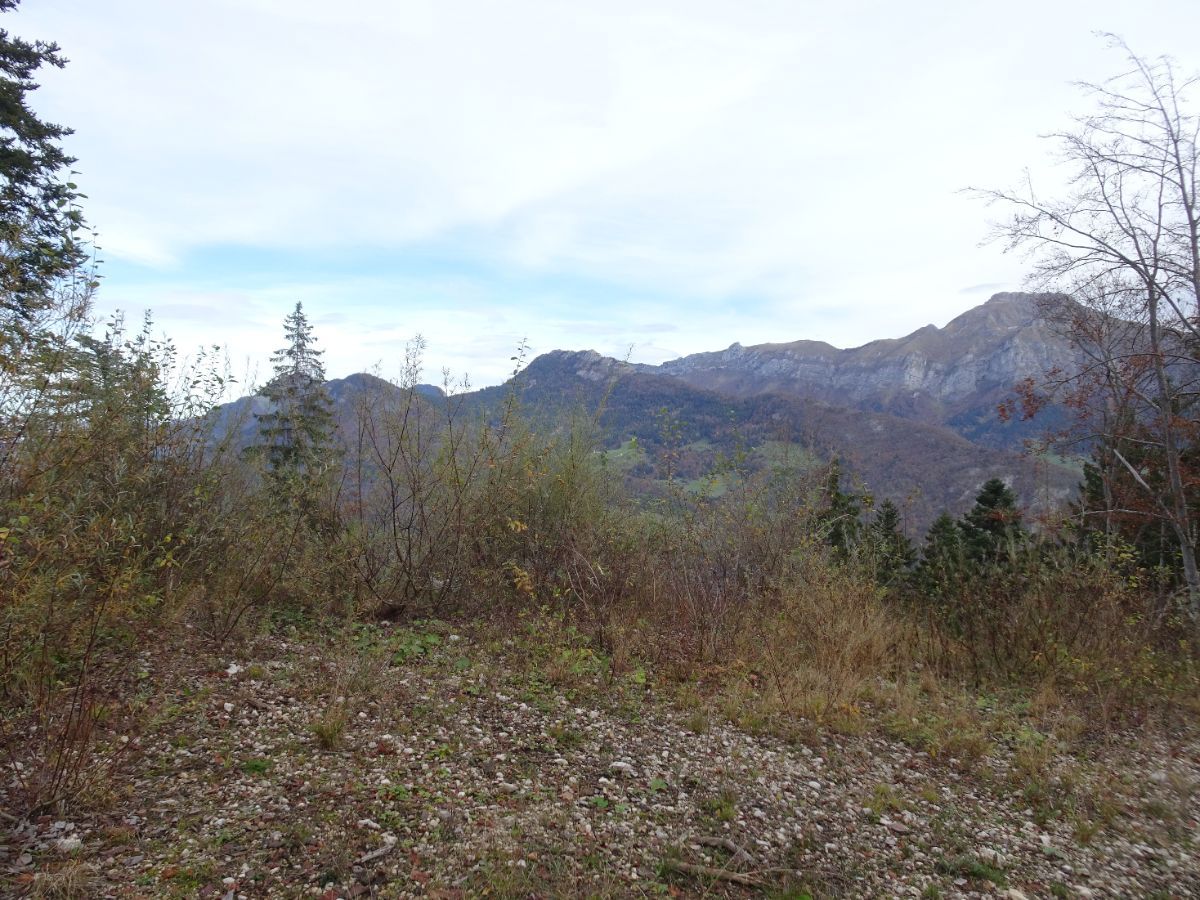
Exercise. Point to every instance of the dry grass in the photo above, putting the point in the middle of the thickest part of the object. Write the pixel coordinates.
(72, 881)
(822, 650)
(813, 653)
(329, 729)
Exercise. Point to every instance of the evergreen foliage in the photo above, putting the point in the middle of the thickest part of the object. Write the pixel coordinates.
(842, 512)
(296, 434)
(993, 527)
(1110, 511)
(990, 534)
(39, 221)
(894, 551)
(943, 558)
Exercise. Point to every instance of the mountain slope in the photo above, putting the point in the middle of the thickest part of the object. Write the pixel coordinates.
(913, 419)
(924, 466)
(954, 376)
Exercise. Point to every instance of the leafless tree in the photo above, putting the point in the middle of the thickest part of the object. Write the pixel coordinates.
(1124, 235)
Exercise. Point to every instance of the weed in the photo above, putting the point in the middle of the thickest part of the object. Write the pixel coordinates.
(70, 882)
(256, 766)
(884, 799)
(565, 737)
(329, 729)
(970, 867)
(407, 645)
(723, 807)
(788, 893)
(1157, 808)
(697, 722)
(1085, 829)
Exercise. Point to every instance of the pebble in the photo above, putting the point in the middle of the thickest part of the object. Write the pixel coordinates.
(450, 775)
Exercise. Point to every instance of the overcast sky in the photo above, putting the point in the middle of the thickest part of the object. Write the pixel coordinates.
(663, 176)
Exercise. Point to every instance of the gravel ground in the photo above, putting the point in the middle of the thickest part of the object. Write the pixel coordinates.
(436, 765)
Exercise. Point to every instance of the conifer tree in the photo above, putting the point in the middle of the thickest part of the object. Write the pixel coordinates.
(842, 512)
(993, 527)
(296, 434)
(944, 557)
(894, 551)
(38, 216)
(1110, 510)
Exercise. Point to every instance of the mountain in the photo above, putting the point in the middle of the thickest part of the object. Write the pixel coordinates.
(346, 393)
(925, 467)
(912, 419)
(953, 376)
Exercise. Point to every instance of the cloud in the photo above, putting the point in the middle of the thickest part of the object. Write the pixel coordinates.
(990, 287)
(751, 171)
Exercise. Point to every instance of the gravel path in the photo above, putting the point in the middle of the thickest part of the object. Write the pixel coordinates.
(440, 768)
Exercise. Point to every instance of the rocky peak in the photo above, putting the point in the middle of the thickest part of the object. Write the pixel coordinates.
(586, 364)
(956, 373)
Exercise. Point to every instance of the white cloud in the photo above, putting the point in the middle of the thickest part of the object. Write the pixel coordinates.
(791, 168)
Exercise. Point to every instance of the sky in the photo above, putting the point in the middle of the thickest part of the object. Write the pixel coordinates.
(647, 179)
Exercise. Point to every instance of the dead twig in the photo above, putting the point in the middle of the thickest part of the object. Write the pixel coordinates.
(390, 844)
(711, 872)
(740, 854)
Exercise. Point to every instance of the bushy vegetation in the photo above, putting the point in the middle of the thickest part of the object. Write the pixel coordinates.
(129, 515)
(785, 596)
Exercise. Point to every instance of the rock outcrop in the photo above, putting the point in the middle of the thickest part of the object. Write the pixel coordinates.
(954, 376)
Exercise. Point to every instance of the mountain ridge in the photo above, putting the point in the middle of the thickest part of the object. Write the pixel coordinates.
(913, 418)
(954, 376)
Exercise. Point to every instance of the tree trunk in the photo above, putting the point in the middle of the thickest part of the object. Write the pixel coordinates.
(1180, 517)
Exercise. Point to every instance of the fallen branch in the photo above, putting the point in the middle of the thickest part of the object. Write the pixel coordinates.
(710, 872)
(390, 844)
(740, 854)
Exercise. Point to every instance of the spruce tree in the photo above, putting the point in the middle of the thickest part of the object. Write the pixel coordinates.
(894, 551)
(944, 557)
(296, 434)
(842, 511)
(38, 217)
(992, 529)
(1111, 510)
